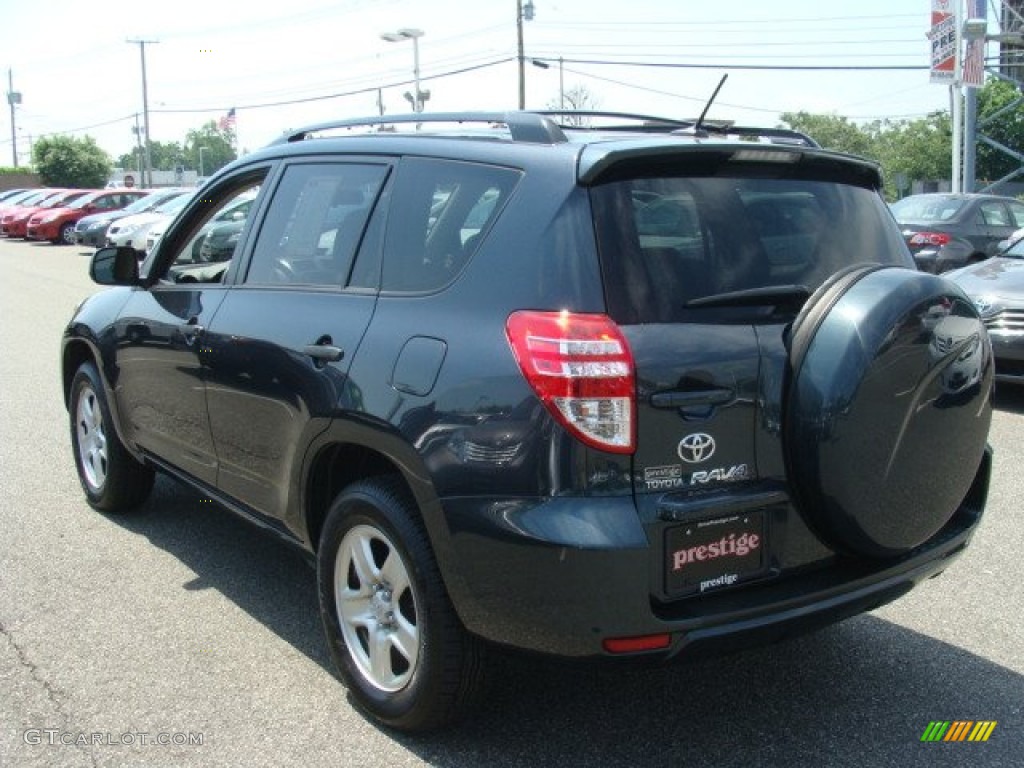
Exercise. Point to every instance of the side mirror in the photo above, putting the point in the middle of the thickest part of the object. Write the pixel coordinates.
(115, 266)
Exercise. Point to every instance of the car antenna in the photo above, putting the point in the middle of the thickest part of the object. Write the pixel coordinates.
(696, 126)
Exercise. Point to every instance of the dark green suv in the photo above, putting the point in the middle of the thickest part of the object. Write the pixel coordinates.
(641, 389)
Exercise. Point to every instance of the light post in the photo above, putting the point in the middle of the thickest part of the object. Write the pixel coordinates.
(417, 97)
(524, 12)
(201, 167)
(13, 98)
(148, 178)
(561, 78)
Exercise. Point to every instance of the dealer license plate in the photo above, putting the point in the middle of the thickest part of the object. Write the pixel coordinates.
(711, 554)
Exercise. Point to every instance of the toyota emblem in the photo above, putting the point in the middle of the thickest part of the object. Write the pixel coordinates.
(695, 448)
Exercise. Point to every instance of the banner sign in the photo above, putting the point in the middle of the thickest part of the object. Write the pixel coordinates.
(943, 37)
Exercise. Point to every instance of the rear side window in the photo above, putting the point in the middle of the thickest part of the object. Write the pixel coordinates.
(667, 241)
(440, 211)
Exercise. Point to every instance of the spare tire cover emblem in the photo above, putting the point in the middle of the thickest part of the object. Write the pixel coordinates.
(695, 448)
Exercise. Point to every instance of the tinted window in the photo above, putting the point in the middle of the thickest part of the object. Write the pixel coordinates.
(1018, 214)
(665, 242)
(315, 223)
(923, 208)
(995, 214)
(440, 211)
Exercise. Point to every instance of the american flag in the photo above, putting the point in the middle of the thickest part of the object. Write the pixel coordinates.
(227, 123)
(973, 74)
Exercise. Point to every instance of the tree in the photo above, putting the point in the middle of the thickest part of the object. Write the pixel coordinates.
(913, 150)
(830, 131)
(165, 156)
(218, 147)
(1007, 129)
(64, 161)
(577, 98)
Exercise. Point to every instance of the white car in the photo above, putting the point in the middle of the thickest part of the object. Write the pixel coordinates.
(131, 231)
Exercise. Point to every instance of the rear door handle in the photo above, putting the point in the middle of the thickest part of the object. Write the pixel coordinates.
(324, 351)
(191, 330)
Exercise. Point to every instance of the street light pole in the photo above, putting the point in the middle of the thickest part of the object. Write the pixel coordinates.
(13, 98)
(417, 97)
(148, 176)
(201, 167)
(523, 12)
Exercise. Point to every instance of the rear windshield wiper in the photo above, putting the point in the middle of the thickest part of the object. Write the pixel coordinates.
(772, 295)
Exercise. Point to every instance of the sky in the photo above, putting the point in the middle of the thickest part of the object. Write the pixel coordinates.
(79, 74)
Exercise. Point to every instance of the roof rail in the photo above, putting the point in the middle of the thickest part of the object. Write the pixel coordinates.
(648, 123)
(529, 127)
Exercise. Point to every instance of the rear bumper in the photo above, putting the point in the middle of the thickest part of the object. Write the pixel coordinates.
(560, 576)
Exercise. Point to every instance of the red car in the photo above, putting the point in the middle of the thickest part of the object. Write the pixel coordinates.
(15, 219)
(58, 225)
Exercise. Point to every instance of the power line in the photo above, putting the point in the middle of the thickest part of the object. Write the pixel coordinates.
(767, 67)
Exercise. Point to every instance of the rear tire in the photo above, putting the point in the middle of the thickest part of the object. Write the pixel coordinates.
(391, 629)
(112, 479)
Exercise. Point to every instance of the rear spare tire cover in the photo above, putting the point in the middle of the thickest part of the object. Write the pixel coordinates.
(888, 408)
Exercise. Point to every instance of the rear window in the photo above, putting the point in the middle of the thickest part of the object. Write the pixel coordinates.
(667, 241)
(924, 209)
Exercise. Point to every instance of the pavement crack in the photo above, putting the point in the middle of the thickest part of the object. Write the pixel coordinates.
(52, 693)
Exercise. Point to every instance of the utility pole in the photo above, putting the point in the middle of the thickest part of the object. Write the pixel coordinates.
(523, 12)
(148, 175)
(13, 98)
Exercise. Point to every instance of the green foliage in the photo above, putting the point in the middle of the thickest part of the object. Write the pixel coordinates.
(831, 131)
(165, 156)
(218, 147)
(64, 161)
(1000, 99)
(912, 150)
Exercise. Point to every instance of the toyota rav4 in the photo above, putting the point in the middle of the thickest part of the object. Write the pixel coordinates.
(642, 388)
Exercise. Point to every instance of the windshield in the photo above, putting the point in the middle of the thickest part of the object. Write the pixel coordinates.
(1015, 251)
(149, 202)
(927, 208)
(84, 201)
(176, 204)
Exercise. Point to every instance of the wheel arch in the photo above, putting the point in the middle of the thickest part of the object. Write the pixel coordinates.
(350, 451)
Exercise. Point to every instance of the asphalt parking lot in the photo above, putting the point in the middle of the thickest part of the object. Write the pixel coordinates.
(185, 625)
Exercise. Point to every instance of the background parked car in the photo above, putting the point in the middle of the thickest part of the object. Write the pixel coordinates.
(92, 230)
(15, 220)
(25, 198)
(131, 231)
(58, 225)
(227, 225)
(946, 231)
(7, 194)
(997, 289)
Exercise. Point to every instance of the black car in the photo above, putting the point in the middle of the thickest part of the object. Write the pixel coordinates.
(640, 389)
(997, 289)
(948, 231)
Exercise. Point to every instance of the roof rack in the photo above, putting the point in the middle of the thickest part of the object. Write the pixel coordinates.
(529, 127)
(541, 127)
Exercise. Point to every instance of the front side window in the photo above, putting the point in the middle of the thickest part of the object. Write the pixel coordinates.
(204, 246)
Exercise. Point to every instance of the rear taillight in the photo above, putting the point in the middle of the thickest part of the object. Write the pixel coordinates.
(930, 238)
(582, 370)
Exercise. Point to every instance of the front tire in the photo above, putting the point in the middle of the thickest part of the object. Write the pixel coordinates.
(66, 236)
(391, 629)
(112, 479)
